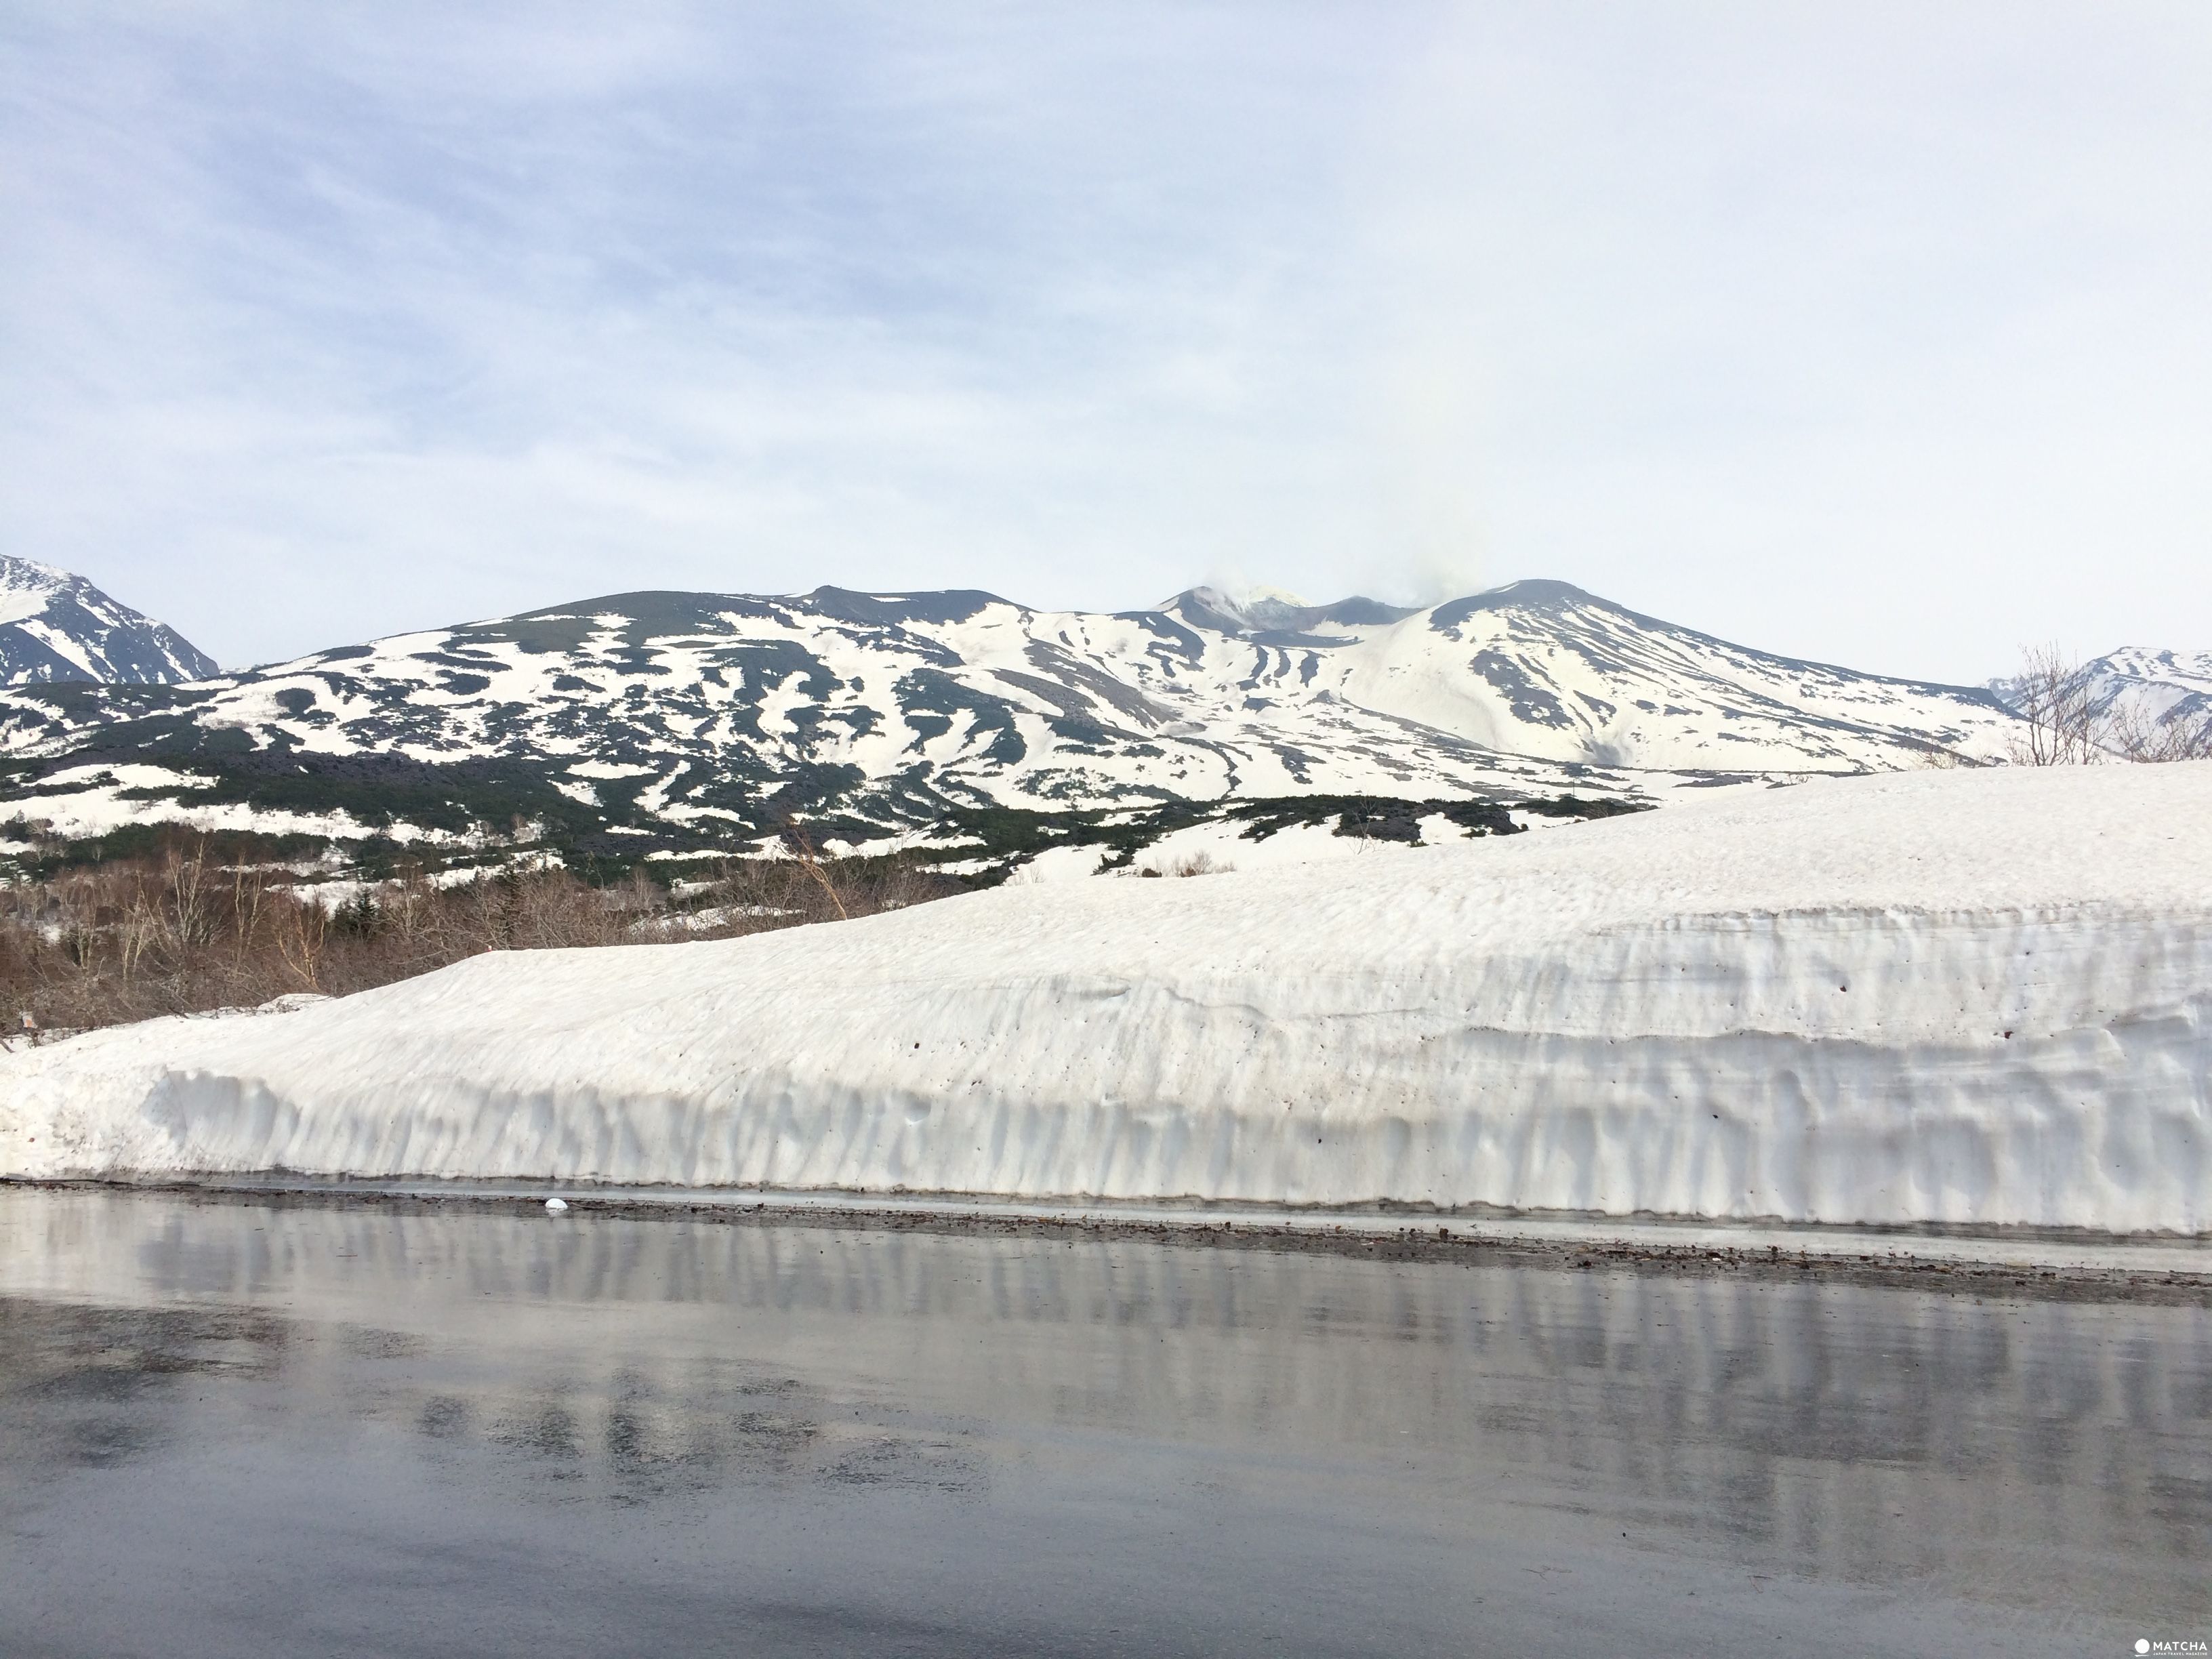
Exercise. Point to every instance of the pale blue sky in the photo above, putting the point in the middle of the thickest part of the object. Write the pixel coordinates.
(1871, 333)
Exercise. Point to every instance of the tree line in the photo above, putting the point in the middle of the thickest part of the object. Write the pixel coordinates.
(195, 927)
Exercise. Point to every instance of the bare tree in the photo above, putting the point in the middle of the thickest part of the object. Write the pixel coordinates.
(2179, 734)
(2056, 702)
(2068, 720)
(794, 837)
(301, 935)
(248, 893)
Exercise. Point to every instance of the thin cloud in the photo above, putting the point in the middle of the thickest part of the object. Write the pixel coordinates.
(1872, 335)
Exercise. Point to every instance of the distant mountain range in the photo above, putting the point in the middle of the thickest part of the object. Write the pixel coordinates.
(2161, 686)
(676, 725)
(57, 626)
(683, 722)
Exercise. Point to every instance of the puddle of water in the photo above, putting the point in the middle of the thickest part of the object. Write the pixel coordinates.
(235, 1428)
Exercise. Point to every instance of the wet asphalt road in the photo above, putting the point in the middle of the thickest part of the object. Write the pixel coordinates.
(232, 1429)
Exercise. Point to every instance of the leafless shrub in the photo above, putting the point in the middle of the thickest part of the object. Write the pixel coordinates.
(2067, 720)
(794, 835)
(2055, 700)
(303, 927)
(1937, 758)
(188, 932)
(2139, 735)
(1189, 864)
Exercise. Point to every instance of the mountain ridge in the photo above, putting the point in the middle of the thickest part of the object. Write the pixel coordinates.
(670, 720)
(2163, 685)
(57, 626)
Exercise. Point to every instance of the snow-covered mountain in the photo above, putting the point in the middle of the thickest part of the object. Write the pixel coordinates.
(701, 716)
(58, 626)
(2160, 685)
(2134, 702)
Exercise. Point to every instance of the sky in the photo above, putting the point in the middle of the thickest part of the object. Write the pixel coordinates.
(1875, 334)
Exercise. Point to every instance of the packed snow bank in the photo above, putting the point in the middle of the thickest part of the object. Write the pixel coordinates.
(1965, 996)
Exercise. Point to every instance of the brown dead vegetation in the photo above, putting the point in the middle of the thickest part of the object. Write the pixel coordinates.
(1190, 864)
(186, 931)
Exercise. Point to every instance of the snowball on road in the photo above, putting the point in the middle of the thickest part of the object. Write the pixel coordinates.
(1961, 996)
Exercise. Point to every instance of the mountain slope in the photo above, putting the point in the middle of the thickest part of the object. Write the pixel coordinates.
(2133, 702)
(58, 626)
(2164, 686)
(698, 718)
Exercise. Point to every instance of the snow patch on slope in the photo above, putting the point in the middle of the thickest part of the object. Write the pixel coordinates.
(890, 708)
(2162, 685)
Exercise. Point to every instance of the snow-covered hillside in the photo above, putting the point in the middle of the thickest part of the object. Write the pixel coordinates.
(2167, 684)
(709, 715)
(2158, 685)
(58, 626)
(1978, 995)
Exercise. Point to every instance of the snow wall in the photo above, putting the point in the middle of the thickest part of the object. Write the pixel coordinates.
(1965, 996)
